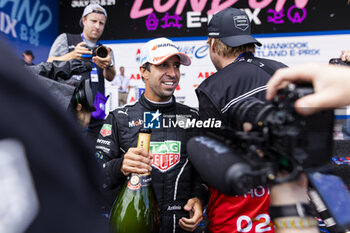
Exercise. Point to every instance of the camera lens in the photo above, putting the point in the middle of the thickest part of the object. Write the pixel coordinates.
(83, 95)
(101, 51)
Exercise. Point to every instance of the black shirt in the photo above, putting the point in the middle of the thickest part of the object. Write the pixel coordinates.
(244, 78)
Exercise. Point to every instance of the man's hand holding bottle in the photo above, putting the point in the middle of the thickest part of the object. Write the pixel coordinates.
(136, 160)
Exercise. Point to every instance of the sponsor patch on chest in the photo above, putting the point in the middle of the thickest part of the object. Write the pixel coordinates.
(165, 154)
(106, 130)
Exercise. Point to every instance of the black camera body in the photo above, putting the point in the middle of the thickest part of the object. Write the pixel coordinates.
(280, 139)
(233, 161)
(294, 138)
(57, 76)
(338, 61)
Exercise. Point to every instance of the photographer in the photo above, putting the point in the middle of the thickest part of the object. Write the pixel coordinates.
(81, 46)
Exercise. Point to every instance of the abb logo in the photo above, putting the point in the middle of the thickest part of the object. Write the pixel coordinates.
(135, 77)
(205, 74)
(138, 55)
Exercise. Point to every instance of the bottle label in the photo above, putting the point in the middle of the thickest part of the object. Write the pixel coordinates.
(136, 181)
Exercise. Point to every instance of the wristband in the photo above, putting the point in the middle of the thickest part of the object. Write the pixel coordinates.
(295, 222)
(295, 210)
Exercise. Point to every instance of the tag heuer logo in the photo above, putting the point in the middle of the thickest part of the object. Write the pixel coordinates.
(165, 154)
(151, 120)
(106, 130)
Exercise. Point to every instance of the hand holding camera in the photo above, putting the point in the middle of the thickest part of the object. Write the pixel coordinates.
(103, 58)
(100, 55)
(345, 56)
(330, 84)
(80, 51)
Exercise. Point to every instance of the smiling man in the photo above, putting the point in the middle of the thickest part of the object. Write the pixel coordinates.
(178, 189)
(79, 47)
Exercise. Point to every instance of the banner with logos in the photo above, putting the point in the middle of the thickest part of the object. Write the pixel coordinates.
(291, 50)
(29, 25)
(135, 19)
(293, 32)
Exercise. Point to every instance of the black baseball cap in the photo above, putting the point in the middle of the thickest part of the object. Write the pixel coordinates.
(231, 26)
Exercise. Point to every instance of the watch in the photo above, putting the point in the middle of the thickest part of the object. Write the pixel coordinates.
(293, 210)
(110, 66)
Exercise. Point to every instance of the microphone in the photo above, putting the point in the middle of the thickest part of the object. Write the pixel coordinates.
(222, 167)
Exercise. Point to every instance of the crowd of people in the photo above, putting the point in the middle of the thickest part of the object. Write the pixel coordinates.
(88, 166)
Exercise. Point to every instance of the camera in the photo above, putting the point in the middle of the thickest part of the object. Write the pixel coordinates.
(64, 79)
(280, 139)
(338, 61)
(100, 51)
(282, 132)
(83, 95)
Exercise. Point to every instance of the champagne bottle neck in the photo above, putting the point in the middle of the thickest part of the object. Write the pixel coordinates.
(143, 141)
(136, 181)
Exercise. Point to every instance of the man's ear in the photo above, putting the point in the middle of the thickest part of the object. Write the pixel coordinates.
(83, 20)
(211, 46)
(144, 73)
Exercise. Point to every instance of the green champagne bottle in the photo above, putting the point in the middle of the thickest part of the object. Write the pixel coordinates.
(135, 210)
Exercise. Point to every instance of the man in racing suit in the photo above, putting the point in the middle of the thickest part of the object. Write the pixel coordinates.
(179, 192)
(240, 75)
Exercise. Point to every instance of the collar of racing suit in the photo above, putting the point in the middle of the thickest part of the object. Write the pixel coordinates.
(155, 106)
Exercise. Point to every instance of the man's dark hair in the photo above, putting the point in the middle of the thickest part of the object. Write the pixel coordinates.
(147, 66)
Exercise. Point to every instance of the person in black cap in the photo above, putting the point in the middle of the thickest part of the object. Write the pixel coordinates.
(28, 58)
(240, 75)
(79, 47)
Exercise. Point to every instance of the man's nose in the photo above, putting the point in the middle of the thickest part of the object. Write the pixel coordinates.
(171, 71)
(97, 25)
